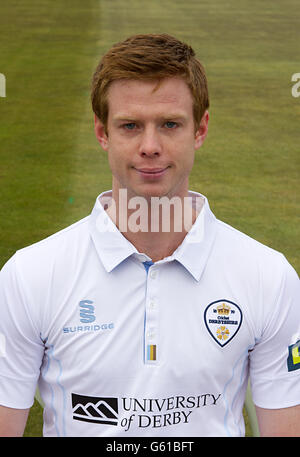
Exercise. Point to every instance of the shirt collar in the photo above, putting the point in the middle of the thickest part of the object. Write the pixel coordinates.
(113, 248)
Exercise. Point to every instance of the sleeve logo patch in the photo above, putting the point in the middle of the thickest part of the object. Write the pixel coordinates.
(293, 360)
(223, 319)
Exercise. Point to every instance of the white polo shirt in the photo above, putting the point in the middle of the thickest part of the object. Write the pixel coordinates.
(123, 347)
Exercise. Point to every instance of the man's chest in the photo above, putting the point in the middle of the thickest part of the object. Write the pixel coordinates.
(182, 326)
(149, 349)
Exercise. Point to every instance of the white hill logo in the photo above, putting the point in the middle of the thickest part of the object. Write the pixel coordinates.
(95, 409)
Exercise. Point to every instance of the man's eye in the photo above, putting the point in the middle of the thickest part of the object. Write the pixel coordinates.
(170, 125)
(129, 126)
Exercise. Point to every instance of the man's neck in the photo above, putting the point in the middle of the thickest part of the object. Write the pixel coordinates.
(156, 226)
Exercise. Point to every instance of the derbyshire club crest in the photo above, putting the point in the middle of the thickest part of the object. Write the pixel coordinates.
(223, 319)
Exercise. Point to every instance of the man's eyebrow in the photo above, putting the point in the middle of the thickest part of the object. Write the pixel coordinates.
(124, 118)
(174, 116)
(171, 116)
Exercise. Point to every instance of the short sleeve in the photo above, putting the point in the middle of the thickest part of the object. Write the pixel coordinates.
(275, 359)
(21, 348)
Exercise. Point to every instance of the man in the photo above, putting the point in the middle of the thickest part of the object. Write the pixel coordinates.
(147, 317)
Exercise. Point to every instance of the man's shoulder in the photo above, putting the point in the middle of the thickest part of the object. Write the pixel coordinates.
(248, 250)
(253, 263)
(50, 261)
(57, 245)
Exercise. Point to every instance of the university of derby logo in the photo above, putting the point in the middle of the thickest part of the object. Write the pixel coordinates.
(223, 319)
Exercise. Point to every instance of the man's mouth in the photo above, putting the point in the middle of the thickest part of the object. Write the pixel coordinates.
(151, 173)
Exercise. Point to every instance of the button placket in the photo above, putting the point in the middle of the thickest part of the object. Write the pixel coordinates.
(151, 355)
(152, 304)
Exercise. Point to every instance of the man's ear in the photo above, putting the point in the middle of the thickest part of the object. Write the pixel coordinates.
(202, 130)
(100, 133)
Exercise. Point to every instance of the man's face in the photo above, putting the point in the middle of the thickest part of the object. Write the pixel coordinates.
(151, 138)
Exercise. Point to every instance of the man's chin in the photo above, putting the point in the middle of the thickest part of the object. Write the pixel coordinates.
(148, 192)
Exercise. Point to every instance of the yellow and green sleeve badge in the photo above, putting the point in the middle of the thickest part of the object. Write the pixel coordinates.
(293, 360)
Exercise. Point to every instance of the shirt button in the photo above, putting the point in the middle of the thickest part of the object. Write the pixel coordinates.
(152, 305)
(153, 274)
(150, 335)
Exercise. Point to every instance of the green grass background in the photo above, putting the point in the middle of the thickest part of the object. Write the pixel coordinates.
(51, 167)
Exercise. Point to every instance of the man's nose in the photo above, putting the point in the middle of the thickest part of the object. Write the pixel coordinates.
(150, 144)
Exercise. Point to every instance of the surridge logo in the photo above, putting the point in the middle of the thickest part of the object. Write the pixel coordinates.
(87, 311)
(87, 316)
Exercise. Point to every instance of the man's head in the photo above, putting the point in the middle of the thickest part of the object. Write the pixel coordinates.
(149, 58)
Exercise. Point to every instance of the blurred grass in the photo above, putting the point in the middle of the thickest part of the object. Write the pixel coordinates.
(34, 426)
(51, 168)
(48, 56)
